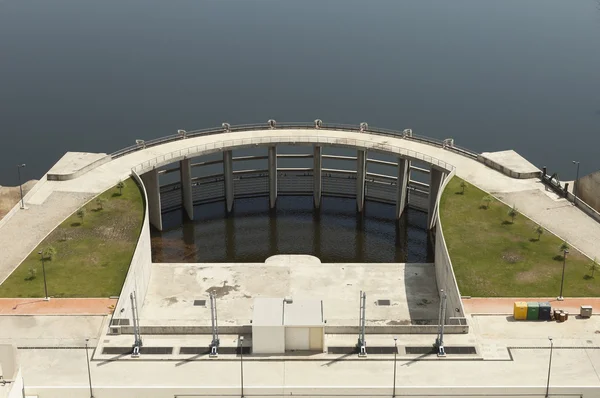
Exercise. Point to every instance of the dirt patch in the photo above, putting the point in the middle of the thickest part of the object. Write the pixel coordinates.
(10, 196)
(512, 257)
(171, 300)
(221, 291)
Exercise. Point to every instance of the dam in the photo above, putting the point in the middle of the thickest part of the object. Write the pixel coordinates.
(164, 317)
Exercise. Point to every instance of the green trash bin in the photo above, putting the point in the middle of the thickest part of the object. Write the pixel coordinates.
(533, 311)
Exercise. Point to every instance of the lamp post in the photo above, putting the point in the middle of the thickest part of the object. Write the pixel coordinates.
(576, 183)
(87, 356)
(242, 364)
(19, 166)
(395, 354)
(44, 272)
(549, 366)
(562, 280)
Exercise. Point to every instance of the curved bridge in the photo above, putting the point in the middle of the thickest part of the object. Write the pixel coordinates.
(270, 180)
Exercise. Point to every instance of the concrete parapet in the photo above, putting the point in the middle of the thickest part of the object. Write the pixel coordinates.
(140, 268)
(509, 163)
(444, 273)
(75, 164)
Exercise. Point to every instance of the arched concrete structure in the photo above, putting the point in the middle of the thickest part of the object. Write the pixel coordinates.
(181, 151)
(364, 142)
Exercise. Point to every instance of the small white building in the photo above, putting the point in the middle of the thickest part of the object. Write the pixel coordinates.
(283, 325)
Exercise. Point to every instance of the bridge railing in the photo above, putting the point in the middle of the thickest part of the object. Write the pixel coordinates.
(242, 142)
(291, 125)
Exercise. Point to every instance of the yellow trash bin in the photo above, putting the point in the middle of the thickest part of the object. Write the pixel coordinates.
(520, 311)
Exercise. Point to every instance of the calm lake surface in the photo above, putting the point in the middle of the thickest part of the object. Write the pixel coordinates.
(94, 76)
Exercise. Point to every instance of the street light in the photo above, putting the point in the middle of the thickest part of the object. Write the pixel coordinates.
(242, 364)
(19, 166)
(395, 354)
(87, 356)
(576, 184)
(44, 272)
(562, 280)
(549, 366)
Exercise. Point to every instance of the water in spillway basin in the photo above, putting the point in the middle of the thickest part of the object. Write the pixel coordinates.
(252, 233)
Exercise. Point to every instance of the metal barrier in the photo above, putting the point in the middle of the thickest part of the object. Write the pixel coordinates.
(287, 126)
(253, 141)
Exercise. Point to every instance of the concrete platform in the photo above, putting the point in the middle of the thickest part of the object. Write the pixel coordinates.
(510, 163)
(75, 164)
(411, 289)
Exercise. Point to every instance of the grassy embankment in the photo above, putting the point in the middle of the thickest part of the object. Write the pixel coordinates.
(493, 257)
(92, 253)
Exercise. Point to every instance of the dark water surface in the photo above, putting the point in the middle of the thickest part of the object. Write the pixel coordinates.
(94, 76)
(253, 233)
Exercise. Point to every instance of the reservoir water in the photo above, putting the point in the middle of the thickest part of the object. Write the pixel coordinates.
(95, 76)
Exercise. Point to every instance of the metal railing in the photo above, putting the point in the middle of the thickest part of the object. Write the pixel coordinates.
(251, 141)
(292, 125)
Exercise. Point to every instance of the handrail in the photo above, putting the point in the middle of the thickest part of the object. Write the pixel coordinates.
(320, 139)
(287, 126)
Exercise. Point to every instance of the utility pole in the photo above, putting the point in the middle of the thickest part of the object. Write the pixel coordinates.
(549, 366)
(362, 344)
(214, 345)
(87, 356)
(19, 167)
(442, 320)
(137, 342)
(576, 183)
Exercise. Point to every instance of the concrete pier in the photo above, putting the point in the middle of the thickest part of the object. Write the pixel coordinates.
(185, 173)
(152, 185)
(436, 177)
(272, 176)
(317, 173)
(402, 185)
(228, 176)
(361, 172)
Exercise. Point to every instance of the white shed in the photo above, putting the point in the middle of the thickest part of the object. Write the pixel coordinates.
(280, 325)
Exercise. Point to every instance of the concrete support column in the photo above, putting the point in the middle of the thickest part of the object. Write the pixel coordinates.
(185, 175)
(272, 176)
(436, 177)
(151, 183)
(361, 172)
(228, 175)
(402, 185)
(317, 174)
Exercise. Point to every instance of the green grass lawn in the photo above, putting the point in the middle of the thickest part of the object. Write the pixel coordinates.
(92, 256)
(494, 258)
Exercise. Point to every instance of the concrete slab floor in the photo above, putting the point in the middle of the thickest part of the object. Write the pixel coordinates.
(50, 330)
(411, 289)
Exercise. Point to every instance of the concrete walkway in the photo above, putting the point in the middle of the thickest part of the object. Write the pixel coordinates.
(504, 305)
(57, 306)
(53, 201)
